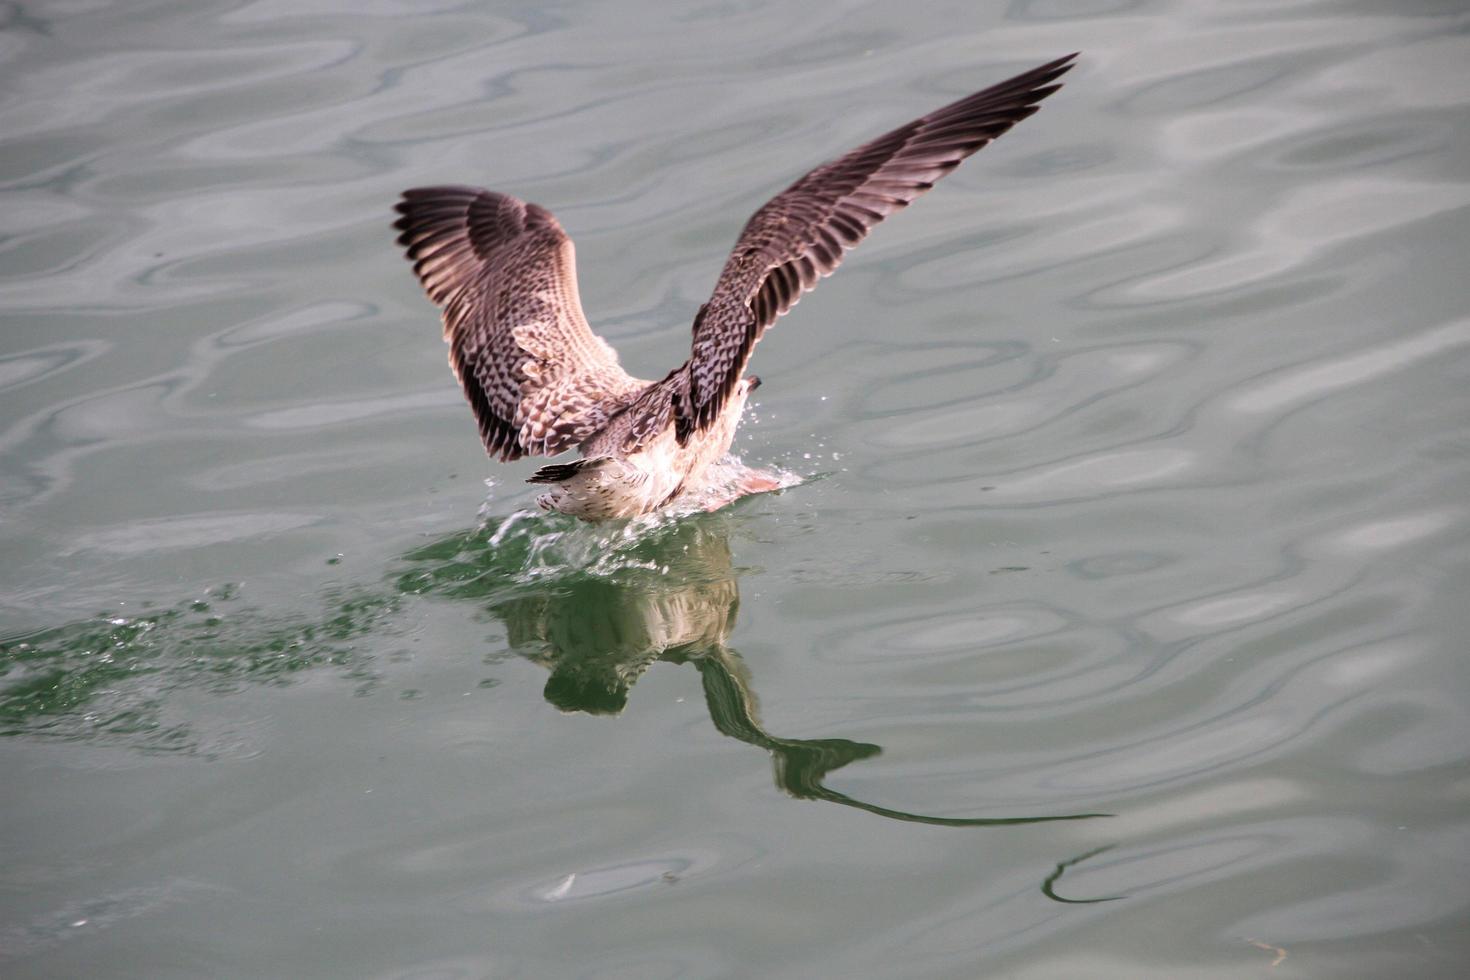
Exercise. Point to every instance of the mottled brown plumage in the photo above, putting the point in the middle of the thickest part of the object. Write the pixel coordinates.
(541, 382)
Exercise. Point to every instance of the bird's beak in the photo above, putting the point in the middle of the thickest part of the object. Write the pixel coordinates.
(752, 383)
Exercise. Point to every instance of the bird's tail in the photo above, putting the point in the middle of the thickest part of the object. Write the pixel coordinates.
(562, 472)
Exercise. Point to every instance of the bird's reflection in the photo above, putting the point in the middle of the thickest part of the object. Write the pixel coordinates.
(596, 605)
(671, 595)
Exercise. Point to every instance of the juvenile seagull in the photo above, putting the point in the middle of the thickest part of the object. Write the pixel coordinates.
(541, 382)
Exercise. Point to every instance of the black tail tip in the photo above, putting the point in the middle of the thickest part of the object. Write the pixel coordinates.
(561, 472)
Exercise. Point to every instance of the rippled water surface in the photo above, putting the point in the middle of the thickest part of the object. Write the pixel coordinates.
(1116, 628)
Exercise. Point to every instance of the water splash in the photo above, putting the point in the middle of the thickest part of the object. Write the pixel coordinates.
(107, 678)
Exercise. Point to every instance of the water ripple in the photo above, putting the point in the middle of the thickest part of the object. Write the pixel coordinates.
(1133, 458)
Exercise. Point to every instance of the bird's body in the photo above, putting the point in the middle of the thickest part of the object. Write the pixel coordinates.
(541, 382)
(608, 482)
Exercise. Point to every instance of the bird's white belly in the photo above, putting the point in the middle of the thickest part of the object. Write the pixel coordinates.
(623, 487)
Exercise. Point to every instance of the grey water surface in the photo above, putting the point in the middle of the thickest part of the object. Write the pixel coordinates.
(1117, 627)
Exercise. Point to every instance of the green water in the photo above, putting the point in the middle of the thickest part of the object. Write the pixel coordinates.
(1115, 627)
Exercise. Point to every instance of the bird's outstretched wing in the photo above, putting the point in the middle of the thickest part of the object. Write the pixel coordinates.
(800, 235)
(505, 275)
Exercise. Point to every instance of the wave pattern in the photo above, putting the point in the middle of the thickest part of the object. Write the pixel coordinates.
(1133, 465)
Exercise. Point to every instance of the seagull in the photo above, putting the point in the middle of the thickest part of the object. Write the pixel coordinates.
(541, 382)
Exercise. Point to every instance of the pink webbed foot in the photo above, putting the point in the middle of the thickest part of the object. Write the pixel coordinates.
(757, 481)
(743, 483)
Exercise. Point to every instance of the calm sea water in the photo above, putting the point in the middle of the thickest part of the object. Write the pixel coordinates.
(1118, 627)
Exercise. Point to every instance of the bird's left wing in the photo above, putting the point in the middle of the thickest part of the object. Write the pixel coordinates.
(800, 235)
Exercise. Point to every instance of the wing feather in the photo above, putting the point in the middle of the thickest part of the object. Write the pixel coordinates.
(504, 273)
(800, 235)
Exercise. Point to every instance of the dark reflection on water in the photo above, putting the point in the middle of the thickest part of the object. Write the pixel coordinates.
(674, 599)
(596, 606)
(1048, 887)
